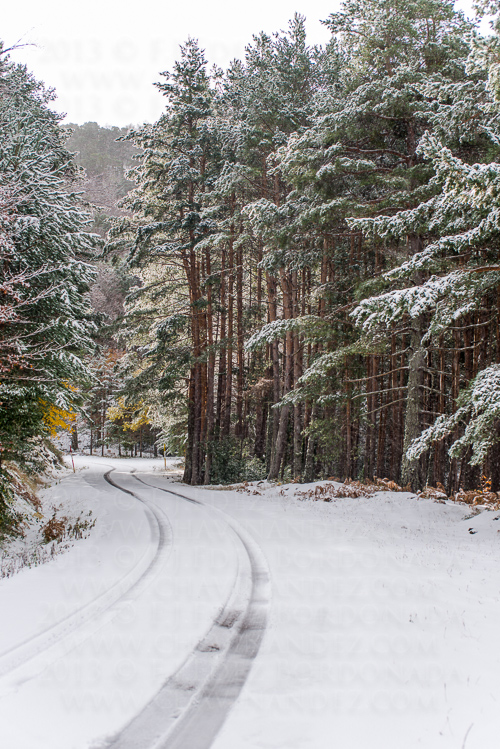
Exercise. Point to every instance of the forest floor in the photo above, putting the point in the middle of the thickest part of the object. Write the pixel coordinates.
(374, 620)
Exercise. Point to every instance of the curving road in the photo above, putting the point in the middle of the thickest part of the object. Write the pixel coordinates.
(188, 566)
(34, 651)
(193, 703)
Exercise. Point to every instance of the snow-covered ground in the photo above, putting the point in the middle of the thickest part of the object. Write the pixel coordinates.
(382, 617)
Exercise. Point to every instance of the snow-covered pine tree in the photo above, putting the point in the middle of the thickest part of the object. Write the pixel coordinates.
(44, 270)
(202, 165)
(360, 158)
(177, 169)
(264, 203)
(270, 96)
(454, 279)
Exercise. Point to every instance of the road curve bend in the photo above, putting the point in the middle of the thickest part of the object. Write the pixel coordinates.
(192, 705)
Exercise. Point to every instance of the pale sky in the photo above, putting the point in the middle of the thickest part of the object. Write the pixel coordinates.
(102, 56)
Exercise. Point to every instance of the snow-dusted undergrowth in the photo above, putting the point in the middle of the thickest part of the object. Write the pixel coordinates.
(46, 528)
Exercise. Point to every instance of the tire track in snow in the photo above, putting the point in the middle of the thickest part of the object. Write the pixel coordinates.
(193, 704)
(32, 652)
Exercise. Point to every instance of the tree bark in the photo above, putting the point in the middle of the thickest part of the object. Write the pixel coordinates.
(226, 426)
(410, 470)
(285, 410)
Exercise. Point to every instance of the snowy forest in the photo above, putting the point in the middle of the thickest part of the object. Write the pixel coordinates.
(293, 274)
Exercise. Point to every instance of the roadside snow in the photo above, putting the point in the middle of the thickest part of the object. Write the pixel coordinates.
(90, 636)
(48, 529)
(382, 632)
(384, 625)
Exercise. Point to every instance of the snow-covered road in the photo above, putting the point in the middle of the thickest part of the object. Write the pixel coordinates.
(370, 623)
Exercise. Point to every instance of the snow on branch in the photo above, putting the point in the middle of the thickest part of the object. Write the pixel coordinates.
(325, 363)
(452, 296)
(479, 405)
(273, 331)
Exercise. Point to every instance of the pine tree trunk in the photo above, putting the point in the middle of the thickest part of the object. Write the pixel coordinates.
(439, 455)
(188, 463)
(297, 373)
(310, 452)
(210, 376)
(371, 417)
(239, 344)
(381, 436)
(395, 395)
(297, 440)
(453, 477)
(410, 470)
(348, 441)
(221, 380)
(280, 443)
(272, 316)
(226, 426)
(285, 410)
(261, 411)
